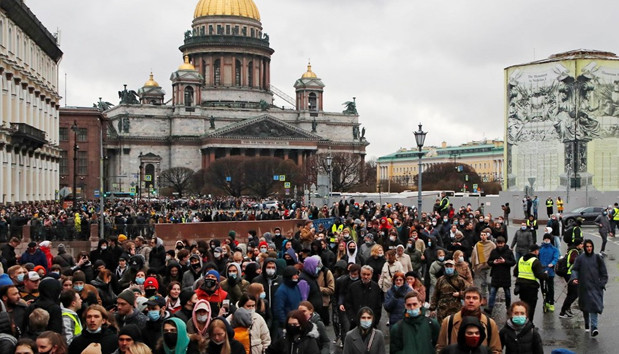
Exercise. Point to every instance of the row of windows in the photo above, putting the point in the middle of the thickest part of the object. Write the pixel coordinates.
(82, 163)
(414, 169)
(82, 134)
(227, 30)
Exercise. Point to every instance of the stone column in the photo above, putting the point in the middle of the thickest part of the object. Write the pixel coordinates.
(299, 158)
(286, 154)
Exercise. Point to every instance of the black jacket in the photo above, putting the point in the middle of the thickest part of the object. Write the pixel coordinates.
(461, 347)
(8, 253)
(360, 295)
(48, 300)
(108, 298)
(107, 338)
(303, 345)
(500, 274)
(526, 341)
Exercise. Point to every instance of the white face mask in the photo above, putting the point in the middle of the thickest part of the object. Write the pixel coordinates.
(270, 272)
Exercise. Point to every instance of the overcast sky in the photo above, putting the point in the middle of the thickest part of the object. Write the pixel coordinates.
(406, 61)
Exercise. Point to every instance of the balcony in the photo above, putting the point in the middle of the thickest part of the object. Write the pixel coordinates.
(27, 135)
(225, 40)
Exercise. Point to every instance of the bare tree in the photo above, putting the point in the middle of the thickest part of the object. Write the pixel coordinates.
(346, 169)
(227, 175)
(177, 178)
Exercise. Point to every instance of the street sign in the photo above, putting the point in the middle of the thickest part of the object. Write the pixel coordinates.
(97, 193)
(132, 190)
(282, 178)
(228, 179)
(148, 178)
(474, 188)
(276, 177)
(287, 185)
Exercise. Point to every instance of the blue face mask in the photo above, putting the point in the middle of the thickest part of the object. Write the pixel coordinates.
(519, 320)
(232, 275)
(413, 312)
(429, 244)
(441, 258)
(154, 315)
(449, 270)
(20, 277)
(78, 288)
(523, 228)
(365, 324)
(263, 295)
(139, 281)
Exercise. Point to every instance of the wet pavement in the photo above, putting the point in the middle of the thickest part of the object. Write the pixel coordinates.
(556, 332)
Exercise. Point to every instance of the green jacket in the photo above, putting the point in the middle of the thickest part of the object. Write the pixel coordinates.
(414, 335)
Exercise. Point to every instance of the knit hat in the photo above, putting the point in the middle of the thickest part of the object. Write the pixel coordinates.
(5, 280)
(500, 239)
(547, 237)
(232, 234)
(61, 247)
(128, 296)
(213, 272)
(122, 238)
(534, 247)
(132, 331)
(263, 243)
(151, 281)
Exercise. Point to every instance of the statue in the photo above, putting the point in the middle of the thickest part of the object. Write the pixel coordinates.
(126, 125)
(314, 126)
(355, 132)
(102, 105)
(351, 106)
(363, 133)
(128, 97)
(212, 121)
(187, 34)
(264, 105)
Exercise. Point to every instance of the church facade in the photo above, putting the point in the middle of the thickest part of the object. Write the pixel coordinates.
(221, 106)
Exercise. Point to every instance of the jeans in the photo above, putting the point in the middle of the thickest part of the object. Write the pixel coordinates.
(517, 256)
(558, 242)
(492, 299)
(591, 318)
(548, 289)
(344, 325)
(481, 281)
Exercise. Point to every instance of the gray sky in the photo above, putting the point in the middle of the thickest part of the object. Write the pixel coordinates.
(407, 61)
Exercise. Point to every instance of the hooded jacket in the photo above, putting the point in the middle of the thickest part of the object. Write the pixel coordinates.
(193, 324)
(190, 276)
(311, 267)
(182, 339)
(414, 334)
(287, 296)
(48, 300)
(461, 347)
(525, 339)
(304, 344)
(106, 337)
(234, 287)
(270, 283)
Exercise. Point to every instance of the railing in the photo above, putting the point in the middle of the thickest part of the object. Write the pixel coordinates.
(226, 40)
(28, 134)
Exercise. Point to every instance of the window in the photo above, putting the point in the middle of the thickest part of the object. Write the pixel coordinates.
(82, 163)
(2, 33)
(188, 96)
(82, 134)
(250, 74)
(210, 29)
(217, 72)
(237, 72)
(253, 33)
(63, 134)
(64, 163)
(227, 29)
(312, 102)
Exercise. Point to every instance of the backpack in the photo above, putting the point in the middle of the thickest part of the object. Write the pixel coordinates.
(561, 267)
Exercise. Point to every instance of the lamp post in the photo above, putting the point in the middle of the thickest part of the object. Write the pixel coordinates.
(329, 160)
(140, 178)
(420, 137)
(101, 184)
(75, 149)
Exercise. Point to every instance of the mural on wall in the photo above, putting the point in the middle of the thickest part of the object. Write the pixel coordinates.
(553, 112)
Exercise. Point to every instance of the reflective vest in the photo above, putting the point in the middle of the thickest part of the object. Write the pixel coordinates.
(616, 214)
(77, 329)
(570, 265)
(525, 268)
(574, 233)
(549, 203)
(446, 206)
(560, 205)
(534, 224)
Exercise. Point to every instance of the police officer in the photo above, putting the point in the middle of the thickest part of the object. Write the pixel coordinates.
(528, 272)
(573, 232)
(549, 206)
(443, 207)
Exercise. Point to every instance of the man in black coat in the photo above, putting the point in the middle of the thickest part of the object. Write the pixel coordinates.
(8, 252)
(95, 332)
(501, 261)
(364, 293)
(48, 300)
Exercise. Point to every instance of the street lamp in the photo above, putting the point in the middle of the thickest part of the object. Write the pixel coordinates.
(420, 138)
(329, 160)
(75, 149)
(140, 177)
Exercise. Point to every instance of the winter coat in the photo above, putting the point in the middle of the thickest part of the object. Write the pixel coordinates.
(107, 338)
(304, 344)
(37, 258)
(464, 271)
(326, 283)
(49, 292)
(461, 347)
(287, 298)
(323, 341)
(592, 276)
(414, 335)
(443, 300)
(108, 298)
(446, 338)
(435, 268)
(500, 274)
(522, 240)
(405, 260)
(394, 302)
(356, 344)
(377, 264)
(309, 275)
(549, 254)
(525, 341)
(538, 272)
(386, 275)
(360, 295)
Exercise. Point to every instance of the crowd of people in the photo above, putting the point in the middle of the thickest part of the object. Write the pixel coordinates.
(436, 275)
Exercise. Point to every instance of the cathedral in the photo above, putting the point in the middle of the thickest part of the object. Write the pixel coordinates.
(221, 106)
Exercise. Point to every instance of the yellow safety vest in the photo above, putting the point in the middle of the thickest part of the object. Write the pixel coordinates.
(549, 203)
(525, 268)
(77, 330)
(616, 214)
(446, 204)
(534, 223)
(570, 265)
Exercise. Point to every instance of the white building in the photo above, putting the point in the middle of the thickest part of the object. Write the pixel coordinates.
(29, 153)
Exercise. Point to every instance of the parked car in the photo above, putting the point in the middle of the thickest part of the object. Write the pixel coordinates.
(588, 213)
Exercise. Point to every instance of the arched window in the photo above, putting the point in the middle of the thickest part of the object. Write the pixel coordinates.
(188, 96)
(217, 72)
(250, 74)
(237, 72)
(313, 106)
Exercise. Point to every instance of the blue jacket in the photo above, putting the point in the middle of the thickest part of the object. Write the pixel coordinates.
(548, 254)
(286, 300)
(38, 258)
(394, 302)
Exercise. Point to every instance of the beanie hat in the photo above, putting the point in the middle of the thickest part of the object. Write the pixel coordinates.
(185, 296)
(79, 276)
(5, 280)
(549, 230)
(263, 243)
(547, 237)
(128, 296)
(290, 271)
(151, 281)
(132, 331)
(232, 234)
(213, 272)
(61, 247)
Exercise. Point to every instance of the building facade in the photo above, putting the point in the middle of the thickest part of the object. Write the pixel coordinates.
(485, 157)
(562, 122)
(222, 105)
(81, 126)
(29, 153)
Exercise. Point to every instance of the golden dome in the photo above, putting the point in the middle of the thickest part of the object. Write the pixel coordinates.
(186, 65)
(151, 82)
(309, 74)
(242, 8)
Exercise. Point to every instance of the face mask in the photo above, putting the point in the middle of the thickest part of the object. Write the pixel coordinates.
(445, 220)
(410, 246)
(263, 250)
(139, 281)
(224, 252)
(292, 331)
(547, 242)
(318, 269)
(523, 228)
(20, 277)
(441, 258)
(460, 259)
(263, 295)
(210, 283)
(351, 250)
(202, 318)
(103, 248)
(471, 341)
(429, 243)
(434, 223)
(95, 331)
(295, 281)
(154, 315)
(195, 266)
(365, 324)
(217, 254)
(179, 247)
(381, 254)
(78, 288)
(150, 292)
(346, 235)
(278, 235)
(392, 238)
(413, 312)
(232, 275)
(270, 272)
(167, 258)
(170, 339)
(461, 224)
(519, 320)
(449, 270)
(604, 213)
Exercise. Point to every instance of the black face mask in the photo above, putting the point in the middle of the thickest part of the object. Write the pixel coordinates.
(292, 331)
(210, 283)
(170, 339)
(150, 292)
(179, 247)
(196, 266)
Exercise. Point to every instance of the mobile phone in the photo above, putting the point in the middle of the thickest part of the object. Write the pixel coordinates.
(226, 303)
